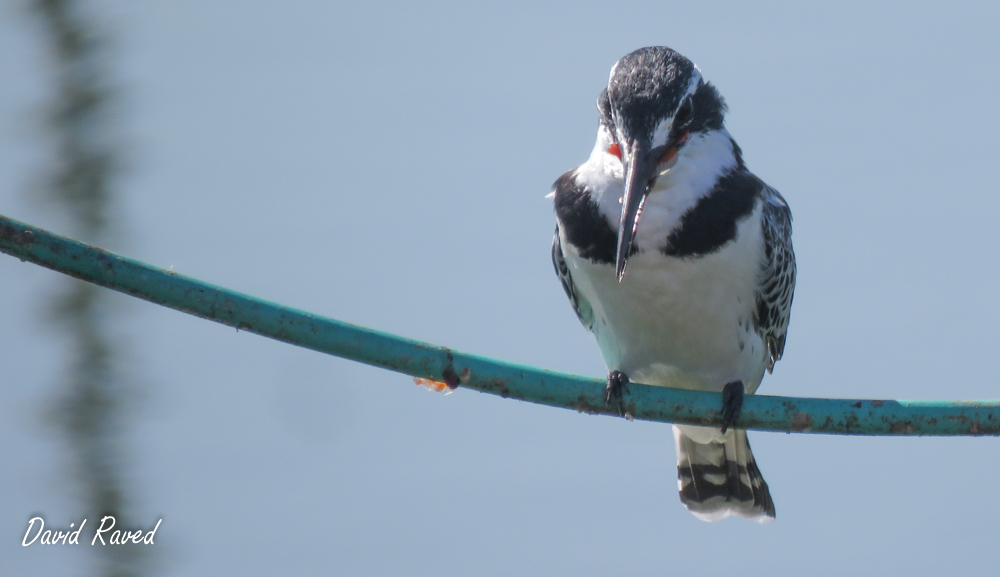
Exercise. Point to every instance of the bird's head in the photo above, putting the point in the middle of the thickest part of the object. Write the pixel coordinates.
(655, 104)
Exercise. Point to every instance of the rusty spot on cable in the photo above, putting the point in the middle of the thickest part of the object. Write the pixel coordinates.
(906, 427)
(450, 376)
(583, 406)
(802, 422)
(501, 388)
(12, 234)
(431, 385)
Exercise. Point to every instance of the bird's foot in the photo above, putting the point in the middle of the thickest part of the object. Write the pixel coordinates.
(732, 403)
(616, 388)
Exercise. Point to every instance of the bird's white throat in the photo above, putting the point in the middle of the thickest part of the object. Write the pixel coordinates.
(700, 162)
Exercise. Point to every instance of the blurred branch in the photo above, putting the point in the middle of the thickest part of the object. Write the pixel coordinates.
(91, 409)
(79, 118)
(427, 361)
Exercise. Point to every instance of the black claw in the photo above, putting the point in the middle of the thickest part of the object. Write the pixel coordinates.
(732, 403)
(616, 388)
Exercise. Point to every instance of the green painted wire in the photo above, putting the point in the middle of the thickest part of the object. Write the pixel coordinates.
(463, 370)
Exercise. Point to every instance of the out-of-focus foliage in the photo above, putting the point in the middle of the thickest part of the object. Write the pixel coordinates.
(91, 408)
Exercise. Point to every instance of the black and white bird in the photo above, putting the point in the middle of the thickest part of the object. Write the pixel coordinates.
(680, 261)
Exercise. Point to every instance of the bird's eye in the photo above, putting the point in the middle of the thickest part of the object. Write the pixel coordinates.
(615, 150)
(683, 116)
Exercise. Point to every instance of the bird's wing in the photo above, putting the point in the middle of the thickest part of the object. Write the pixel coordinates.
(777, 279)
(583, 309)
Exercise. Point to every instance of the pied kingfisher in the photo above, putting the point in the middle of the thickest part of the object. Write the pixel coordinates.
(705, 299)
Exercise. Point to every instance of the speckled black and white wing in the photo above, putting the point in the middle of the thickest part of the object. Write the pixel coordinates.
(777, 280)
(583, 310)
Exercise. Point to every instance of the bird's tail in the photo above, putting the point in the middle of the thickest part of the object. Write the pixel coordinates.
(717, 476)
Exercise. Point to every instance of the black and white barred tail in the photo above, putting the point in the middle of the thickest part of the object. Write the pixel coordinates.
(718, 477)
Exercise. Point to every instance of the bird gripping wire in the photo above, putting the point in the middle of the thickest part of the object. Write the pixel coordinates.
(457, 369)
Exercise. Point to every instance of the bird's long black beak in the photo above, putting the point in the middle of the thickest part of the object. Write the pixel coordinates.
(640, 174)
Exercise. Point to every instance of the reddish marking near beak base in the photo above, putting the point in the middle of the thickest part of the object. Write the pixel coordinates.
(671, 152)
(615, 150)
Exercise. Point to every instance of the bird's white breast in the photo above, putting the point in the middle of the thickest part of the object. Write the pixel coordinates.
(680, 322)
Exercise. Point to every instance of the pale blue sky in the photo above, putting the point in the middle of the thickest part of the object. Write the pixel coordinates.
(386, 165)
